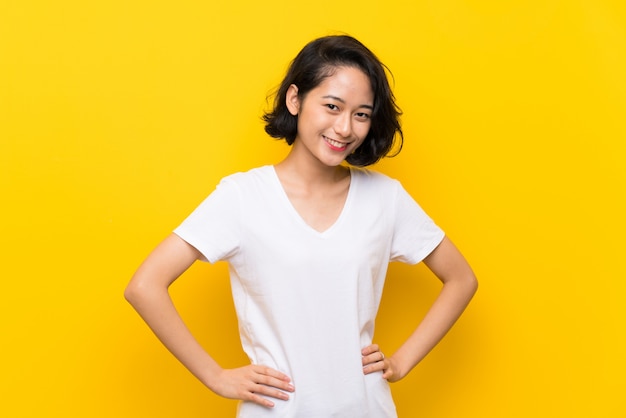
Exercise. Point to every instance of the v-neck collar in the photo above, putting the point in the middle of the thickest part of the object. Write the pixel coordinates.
(291, 208)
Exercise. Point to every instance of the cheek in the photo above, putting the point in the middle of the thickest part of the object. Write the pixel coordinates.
(313, 120)
(361, 139)
(362, 130)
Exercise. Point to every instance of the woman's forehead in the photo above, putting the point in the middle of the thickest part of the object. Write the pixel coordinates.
(346, 83)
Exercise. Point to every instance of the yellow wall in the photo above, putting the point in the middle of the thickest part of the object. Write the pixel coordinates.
(117, 118)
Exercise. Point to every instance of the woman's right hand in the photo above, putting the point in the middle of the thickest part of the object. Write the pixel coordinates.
(148, 294)
(253, 383)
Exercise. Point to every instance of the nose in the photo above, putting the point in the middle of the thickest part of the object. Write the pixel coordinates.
(343, 125)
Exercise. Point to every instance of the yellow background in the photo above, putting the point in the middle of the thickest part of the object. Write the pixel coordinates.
(117, 118)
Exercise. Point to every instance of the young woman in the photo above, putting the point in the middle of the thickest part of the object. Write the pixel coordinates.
(308, 242)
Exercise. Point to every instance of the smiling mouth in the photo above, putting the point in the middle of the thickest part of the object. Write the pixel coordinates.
(335, 145)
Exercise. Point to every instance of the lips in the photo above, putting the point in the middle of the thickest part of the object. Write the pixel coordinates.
(335, 145)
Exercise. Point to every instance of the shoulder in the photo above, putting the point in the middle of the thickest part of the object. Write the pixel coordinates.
(250, 175)
(235, 192)
(371, 179)
(251, 178)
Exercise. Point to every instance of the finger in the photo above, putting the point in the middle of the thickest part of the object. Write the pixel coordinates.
(376, 357)
(272, 382)
(373, 368)
(261, 394)
(268, 371)
(370, 349)
(369, 359)
(260, 400)
(261, 389)
(272, 378)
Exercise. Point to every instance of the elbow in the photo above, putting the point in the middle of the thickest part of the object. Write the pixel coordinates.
(466, 283)
(141, 291)
(130, 293)
(134, 292)
(471, 282)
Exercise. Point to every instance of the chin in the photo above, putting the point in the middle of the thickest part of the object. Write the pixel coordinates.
(335, 163)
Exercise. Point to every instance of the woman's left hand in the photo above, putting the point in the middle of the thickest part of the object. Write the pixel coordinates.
(375, 361)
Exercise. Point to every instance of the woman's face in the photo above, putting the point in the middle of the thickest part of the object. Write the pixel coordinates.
(333, 118)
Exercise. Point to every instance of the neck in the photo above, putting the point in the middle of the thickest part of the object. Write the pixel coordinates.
(312, 172)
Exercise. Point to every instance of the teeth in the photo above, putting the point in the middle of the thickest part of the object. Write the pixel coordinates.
(334, 143)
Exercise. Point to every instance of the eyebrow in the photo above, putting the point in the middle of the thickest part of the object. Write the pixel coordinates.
(339, 99)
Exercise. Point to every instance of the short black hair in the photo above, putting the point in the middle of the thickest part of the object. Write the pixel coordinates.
(318, 60)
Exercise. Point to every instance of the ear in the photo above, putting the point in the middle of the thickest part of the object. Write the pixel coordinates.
(292, 100)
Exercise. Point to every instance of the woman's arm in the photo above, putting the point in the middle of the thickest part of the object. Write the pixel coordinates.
(459, 285)
(148, 293)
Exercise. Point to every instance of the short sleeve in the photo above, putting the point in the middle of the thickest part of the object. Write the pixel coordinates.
(415, 234)
(213, 228)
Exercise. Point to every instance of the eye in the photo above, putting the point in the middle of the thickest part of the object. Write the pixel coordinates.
(363, 115)
(332, 106)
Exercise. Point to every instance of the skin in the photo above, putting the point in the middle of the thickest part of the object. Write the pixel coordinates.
(333, 120)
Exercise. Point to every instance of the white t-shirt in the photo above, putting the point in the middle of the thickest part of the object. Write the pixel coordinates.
(306, 301)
